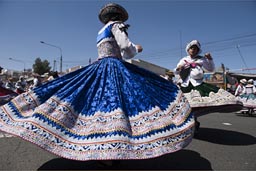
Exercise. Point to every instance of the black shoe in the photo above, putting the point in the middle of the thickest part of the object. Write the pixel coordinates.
(108, 163)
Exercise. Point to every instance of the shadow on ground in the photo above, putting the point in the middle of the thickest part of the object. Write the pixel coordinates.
(246, 115)
(225, 137)
(181, 160)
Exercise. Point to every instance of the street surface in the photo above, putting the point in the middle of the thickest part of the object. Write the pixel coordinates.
(226, 141)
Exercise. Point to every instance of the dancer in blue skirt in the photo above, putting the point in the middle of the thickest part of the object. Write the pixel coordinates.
(108, 110)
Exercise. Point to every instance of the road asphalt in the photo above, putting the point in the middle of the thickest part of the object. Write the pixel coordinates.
(226, 141)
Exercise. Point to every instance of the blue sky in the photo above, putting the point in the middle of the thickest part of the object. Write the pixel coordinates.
(226, 29)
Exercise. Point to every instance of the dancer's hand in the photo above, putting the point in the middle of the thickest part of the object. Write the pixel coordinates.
(208, 56)
(179, 68)
(139, 48)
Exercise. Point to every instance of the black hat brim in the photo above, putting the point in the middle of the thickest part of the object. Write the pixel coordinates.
(112, 8)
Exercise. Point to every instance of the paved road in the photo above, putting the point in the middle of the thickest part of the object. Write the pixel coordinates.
(226, 141)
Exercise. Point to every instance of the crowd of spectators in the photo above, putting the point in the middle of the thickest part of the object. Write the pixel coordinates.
(25, 84)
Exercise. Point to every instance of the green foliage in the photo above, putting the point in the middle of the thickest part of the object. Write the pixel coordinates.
(40, 67)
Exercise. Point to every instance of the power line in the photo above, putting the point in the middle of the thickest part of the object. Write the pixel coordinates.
(230, 39)
(220, 45)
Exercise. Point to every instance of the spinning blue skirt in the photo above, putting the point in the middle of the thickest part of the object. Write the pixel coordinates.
(110, 109)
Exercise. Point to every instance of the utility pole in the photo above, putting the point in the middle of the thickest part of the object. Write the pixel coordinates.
(54, 65)
(224, 76)
(241, 56)
(17, 60)
(181, 45)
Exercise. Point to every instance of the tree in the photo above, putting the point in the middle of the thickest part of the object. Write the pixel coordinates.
(40, 67)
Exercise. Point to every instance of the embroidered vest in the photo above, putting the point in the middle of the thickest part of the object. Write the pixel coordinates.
(106, 43)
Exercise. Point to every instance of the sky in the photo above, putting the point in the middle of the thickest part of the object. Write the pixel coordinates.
(225, 28)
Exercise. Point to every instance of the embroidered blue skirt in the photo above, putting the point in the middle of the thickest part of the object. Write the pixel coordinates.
(110, 109)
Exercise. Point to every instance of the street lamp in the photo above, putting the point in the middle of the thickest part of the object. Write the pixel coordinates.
(17, 60)
(60, 53)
